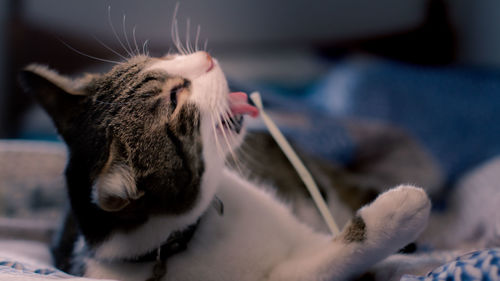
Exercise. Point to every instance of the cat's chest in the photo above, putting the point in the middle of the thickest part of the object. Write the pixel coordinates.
(254, 234)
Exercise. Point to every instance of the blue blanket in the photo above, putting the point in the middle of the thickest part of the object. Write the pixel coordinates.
(453, 111)
(479, 265)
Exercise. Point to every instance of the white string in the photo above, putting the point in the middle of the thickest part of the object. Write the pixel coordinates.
(297, 164)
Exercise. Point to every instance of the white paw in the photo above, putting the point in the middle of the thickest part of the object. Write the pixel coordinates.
(397, 216)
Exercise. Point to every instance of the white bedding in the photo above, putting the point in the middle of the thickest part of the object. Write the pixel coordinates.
(28, 260)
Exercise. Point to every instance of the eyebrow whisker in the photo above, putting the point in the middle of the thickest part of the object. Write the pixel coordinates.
(125, 34)
(114, 32)
(109, 48)
(145, 50)
(188, 43)
(87, 55)
(198, 29)
(135, 40)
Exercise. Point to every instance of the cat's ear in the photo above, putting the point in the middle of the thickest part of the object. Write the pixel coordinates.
(115, 185)
(58, 94)
(37, 77)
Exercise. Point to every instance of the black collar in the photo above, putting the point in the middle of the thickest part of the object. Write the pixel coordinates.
(176, 243)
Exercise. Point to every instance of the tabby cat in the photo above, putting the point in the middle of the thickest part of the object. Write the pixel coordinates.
(152, 198)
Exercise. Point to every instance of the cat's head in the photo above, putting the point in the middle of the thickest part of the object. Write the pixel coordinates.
(151, 135)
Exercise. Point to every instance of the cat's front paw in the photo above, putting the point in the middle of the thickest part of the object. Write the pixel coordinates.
(397, 216)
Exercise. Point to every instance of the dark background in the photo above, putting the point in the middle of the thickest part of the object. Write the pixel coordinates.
(289, 42)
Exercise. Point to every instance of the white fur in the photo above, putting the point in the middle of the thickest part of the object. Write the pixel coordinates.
(257, 238)
(118, 181)
(471, 220)
(189, 66)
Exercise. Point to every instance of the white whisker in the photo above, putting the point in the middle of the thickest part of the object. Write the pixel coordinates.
(231, 151)
(221, 124)
(228, 119)
(217, 143)
(173, 27)
(86, 55)
(135, 41)
(109, 48)
(169, 51)
(188, 27)
(198, 29)
(125, 34)
(205, 45)
(248, 153)
(144, 48)
(178, 38)
(114, 32)
(231, 124)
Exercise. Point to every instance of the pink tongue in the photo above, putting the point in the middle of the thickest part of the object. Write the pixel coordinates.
(238, 104)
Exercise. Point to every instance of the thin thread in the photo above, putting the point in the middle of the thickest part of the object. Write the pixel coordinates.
(297, 164)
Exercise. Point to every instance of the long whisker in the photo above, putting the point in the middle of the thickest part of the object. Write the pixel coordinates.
(114, 32)
(229, 120)
(86, 55)
(169, 51)
(224, 134)
(235, 154)
(145, 51)
(248, 153)
(109, 48)
(176, 38)
(231, 151)
(172, 26)
(180, 47)
(188, 27)
(205, 45)
(135, 41)
(197, 37)
(217, 143)
(125, 34)
(175, 32)
(232, 136)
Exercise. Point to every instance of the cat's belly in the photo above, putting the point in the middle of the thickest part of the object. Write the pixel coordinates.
(255, 234)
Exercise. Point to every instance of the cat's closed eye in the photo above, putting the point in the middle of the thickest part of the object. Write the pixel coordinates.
(175, 91)
(173, 96)
(149, 86)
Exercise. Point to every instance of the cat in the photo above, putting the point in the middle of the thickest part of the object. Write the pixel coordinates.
(152, 199)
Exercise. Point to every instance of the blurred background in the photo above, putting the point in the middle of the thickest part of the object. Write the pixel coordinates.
(428, 66)
(387, 91)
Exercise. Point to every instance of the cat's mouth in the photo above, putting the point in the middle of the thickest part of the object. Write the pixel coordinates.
(238, 108)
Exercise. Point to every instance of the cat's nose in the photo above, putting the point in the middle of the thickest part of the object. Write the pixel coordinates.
(210, 61)
(207, 55)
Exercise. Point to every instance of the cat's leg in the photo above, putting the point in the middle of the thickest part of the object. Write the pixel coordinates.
(379, 229)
